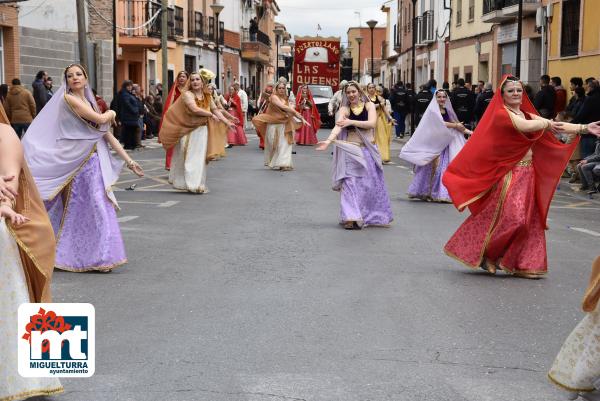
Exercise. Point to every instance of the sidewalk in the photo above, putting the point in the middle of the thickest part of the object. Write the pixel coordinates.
(564, 187)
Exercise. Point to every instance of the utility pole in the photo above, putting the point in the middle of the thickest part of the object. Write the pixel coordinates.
(82, 33)
(164, 15)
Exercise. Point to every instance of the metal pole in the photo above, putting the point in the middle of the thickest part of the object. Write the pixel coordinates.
(372, 68)
(276, 58)
(81, 33)
(412, 72)
(115, 82)
(217, 51)
(359, 63)
(519, 34)
(164, 15)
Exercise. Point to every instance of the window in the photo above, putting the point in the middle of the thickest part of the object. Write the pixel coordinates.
(509, 58)
(468, 77)
(569, 39)
(190, 63)
(211, 28)
(178, 21)
(471, 10)
(221, 32)
(458, 12)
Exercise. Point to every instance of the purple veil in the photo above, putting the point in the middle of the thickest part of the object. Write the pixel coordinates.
(432, 136)
(348, 160)
(59, 142)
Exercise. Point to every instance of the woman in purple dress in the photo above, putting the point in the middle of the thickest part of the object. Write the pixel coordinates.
(438, 138)
(67, 150)
(357, 168)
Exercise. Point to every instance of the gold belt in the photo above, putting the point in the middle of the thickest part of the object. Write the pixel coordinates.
(525, 163)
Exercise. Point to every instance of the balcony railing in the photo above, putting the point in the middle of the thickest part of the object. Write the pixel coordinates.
(497, 5)
(425, 31)
(260, 36)
(136, 13)
(492, 5)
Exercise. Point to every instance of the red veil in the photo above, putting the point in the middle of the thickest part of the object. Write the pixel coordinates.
(237, 103)
(316, 117)
(495, 148)
(173, 95)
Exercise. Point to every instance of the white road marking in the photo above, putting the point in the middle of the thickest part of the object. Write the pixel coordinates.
(125, 219)
(403, 167)
(585, 231)
(168, 204)
(158, 204)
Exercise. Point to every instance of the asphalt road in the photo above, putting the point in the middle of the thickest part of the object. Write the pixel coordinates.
(253, 292)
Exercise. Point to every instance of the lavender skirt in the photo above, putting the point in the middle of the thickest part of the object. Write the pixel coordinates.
(85, 224)
(427, 183)
(365, 199)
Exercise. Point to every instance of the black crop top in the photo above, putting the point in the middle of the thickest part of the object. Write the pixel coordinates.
(363, 116)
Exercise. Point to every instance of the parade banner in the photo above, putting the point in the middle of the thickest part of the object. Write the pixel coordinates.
(316, 61)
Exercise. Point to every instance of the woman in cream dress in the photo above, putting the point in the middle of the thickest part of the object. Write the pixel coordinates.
(577, 366)
(277, 125)
(188, 126)
(24, 276)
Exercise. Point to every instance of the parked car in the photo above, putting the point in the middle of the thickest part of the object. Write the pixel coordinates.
(322, 95)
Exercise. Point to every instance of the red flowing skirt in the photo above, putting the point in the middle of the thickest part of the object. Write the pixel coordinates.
(508, 231)
(306, 135)
(237, 136)
(168, 158)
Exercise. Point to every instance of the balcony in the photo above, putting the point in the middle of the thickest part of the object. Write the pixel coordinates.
(256, 47)
(174, 21)
(511, 7)
(426, 32)
(493, 11)
(201, 29)
(136, 13)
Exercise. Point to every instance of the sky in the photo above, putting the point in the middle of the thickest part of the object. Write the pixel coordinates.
(301, 17)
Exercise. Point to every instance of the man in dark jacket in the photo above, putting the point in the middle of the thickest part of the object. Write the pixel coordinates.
(422, 101)
(400, 101)
(463, 102)
(483, 100)
(129, 115)
(589, 112)
(544, 100)
(40, 93)
(589, 168)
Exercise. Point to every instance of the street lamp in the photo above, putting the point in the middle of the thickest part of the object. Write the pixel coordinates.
(359, 40)
(372, 24)
(217, 8)
(414, 66)
(278, 33)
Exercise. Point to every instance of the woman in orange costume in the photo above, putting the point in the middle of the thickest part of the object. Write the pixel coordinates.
(305, 104)
(236, 136)
(174, 93)
(506, 174)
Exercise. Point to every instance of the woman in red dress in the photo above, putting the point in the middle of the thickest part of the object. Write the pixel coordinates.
(305, 104)
(236, 136)
(506, 174)
(174, 93)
